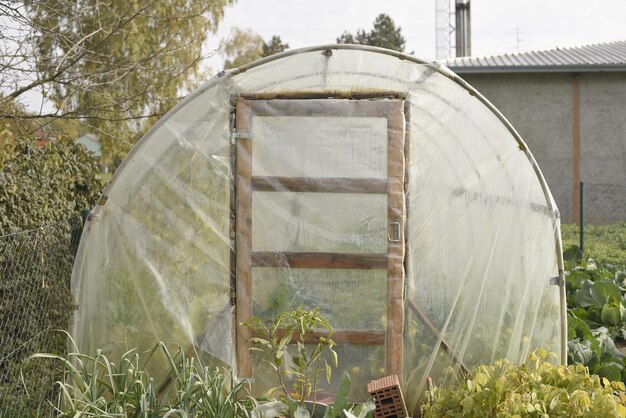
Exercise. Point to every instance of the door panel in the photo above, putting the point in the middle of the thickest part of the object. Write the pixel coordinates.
(278, 290)
(320, 221)
(320, 146)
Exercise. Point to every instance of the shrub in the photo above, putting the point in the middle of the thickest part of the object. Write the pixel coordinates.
(537, 388)
(43, 188)
(42, 184)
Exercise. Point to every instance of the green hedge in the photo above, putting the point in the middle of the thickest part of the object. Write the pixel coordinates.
(43, 189)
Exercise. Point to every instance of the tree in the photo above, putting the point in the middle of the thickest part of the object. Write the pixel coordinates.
(274, 46)
(244, 46)
(385, 34)
(115, 65)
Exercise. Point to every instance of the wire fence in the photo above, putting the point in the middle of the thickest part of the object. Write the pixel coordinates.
(35, 303)
(602, 204)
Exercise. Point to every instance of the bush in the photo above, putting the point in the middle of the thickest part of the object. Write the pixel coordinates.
(538, 389)
(44, 183)
(43, 188)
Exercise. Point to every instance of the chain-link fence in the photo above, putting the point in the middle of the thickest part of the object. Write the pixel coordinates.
(603, 219)
(602, 204)
(35, 303)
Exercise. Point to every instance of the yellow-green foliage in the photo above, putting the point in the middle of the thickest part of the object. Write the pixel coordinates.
(538, 388)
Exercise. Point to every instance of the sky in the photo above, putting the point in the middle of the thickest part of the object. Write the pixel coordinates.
(498, 26)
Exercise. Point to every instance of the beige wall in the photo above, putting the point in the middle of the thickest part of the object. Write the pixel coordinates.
(603, 128)
(540, 107)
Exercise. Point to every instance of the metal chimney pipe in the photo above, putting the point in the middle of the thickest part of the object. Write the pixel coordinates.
(463, 28)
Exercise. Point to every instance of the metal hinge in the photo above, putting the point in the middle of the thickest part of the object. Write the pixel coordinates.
(556, 281)
(233, 125)
(242, 135)
(233, 128)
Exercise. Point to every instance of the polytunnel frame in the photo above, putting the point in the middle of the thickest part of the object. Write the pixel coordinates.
(327, 51)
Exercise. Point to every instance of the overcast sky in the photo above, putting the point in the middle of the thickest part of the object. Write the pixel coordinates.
(497, 25)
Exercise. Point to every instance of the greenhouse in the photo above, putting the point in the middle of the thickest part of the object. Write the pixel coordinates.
(380, 188)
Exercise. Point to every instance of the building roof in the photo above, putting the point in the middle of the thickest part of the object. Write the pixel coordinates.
(90, 141)
(609, 56)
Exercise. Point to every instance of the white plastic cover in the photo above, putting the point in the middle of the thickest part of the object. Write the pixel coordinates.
(481, 229)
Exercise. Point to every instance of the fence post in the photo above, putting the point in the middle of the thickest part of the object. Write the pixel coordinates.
(84, 214)
(581, 206)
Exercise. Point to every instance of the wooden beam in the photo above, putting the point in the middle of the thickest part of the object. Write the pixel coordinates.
(308, 95)
(322, 185)
(395, 248)
(576, 148)
(329, 107)
(437, 334)
(317, 260)
(243, 223)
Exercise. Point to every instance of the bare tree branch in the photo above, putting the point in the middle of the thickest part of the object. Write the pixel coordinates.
(115, 66)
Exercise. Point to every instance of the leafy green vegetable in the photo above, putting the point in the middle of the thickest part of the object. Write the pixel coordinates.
(538, 388)
(595, 295)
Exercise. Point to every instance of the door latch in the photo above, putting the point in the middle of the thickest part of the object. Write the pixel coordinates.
(394, 231)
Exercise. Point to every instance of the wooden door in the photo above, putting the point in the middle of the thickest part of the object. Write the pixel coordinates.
(306, 157)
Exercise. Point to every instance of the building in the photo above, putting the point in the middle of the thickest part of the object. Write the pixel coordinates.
(569, 105)
(91, 143)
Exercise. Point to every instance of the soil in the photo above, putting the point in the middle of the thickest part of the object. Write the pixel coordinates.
(621, 345)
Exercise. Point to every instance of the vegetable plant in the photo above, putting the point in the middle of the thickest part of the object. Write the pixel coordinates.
(96, 386)
(597, 317)
(302, 365)
(538, 388)
(595, 294)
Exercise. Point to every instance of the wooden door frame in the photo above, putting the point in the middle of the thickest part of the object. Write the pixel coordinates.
(393, 186)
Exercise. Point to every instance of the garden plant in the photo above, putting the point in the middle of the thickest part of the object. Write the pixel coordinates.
(299, 370)
(537, 388)
(96, 386)
(592, 384)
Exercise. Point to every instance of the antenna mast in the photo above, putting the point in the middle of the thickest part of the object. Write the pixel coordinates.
(443, 29)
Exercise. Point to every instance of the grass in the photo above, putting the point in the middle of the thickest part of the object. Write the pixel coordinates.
(605, 243)
(105, 177)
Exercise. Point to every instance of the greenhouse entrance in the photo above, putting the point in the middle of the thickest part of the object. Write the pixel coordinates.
(319, 220)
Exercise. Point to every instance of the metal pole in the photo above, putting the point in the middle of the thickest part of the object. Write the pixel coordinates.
(84, 214)
(581, 206)
(463, 31)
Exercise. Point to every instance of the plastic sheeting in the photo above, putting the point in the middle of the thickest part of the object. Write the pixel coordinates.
(480, 240)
